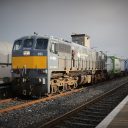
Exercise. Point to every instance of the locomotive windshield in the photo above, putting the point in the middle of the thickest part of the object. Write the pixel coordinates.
(17, 45)
(28, 43)
(41, 43)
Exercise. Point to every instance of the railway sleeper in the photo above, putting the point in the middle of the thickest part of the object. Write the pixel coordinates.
(70, 124)
(100, 107)
(91, 116)
(108, 107)
(104, 104)
(96, 113)
(84, 120)
(112, 102)
(114, 99)
(98, 110)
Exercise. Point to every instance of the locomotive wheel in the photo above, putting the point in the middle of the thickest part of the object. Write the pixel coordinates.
(75, 85)
(69, 87)
(65, 88)
(54, 89)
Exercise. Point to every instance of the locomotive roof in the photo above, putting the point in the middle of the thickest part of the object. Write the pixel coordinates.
(45, 36)
(32, 36)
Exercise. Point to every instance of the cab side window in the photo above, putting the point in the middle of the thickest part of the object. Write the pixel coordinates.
(53, 48)
(41, 43)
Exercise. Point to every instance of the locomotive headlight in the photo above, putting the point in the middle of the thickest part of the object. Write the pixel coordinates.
(24, 80)
(26, 53)
(40, 80)
(43, 71)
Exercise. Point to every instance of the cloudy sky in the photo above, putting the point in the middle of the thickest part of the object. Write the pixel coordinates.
(106, 21)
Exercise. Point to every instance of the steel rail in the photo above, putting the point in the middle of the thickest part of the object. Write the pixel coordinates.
(5, 100)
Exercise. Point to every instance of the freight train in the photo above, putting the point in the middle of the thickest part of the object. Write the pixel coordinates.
(43, 64)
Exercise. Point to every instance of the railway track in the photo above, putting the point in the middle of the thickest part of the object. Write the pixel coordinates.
(7, 105)
(5, 100)
(91, 113)
(10, 103)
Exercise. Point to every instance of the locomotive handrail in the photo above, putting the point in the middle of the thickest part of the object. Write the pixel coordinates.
(5, 63)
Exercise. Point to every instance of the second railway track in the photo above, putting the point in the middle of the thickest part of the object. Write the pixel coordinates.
(90, 114)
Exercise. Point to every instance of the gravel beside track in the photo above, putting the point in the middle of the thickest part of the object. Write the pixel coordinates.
(12, 102)
(48, 110)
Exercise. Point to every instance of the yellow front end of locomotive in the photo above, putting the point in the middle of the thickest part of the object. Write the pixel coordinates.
(29, 62)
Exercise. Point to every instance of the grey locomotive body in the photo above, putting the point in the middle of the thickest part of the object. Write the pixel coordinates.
(44, 65)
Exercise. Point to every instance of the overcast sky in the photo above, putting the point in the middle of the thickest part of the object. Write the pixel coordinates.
(105, 21)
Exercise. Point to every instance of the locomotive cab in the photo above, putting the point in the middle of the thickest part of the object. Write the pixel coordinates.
(29, 65)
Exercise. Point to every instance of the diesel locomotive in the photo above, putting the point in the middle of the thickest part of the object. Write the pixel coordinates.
(44, 64)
